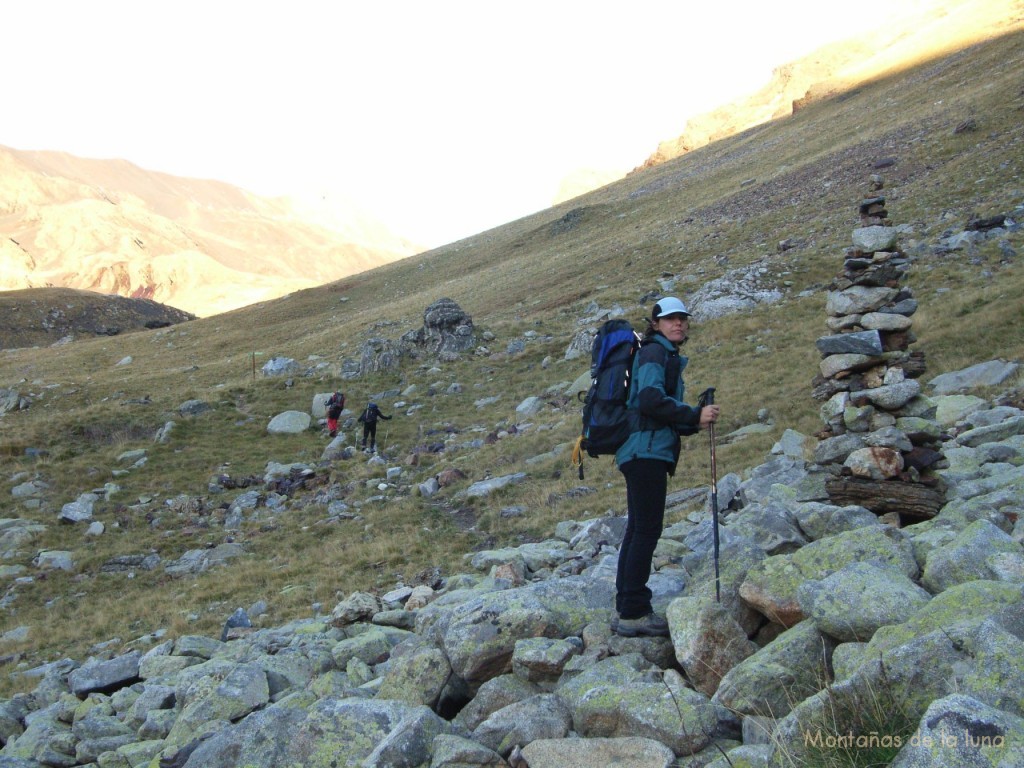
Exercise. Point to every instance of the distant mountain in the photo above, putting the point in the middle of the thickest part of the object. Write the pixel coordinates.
(931, 28)
(203, 246)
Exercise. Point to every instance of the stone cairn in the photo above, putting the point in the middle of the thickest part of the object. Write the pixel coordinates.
(880, 440)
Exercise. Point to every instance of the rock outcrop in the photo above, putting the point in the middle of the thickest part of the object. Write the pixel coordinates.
(446, 333)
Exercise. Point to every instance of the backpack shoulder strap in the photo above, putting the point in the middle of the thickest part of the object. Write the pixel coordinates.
(652, 351)
(673, 368)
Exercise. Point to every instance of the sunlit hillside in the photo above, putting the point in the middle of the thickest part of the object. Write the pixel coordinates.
(198, 245)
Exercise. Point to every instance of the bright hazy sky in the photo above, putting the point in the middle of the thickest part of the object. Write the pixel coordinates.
(441, 117)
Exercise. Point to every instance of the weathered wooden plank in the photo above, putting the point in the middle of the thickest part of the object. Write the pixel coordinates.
(914, 501)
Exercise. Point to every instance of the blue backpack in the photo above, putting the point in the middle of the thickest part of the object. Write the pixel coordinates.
(606, 421)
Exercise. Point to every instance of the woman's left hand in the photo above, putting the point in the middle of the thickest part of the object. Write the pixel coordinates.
(708, 416)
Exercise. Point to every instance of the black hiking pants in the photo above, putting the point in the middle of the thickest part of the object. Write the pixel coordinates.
(370, 431)
(646, 486)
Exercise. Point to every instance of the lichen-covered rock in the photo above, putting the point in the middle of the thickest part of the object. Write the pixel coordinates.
(958, 609)
(359, 606)
(772, 525)
(972, 555)
(858, 300)
(852, 603)
(331, 732)
(778, 676)
(229, 696)
(105, 674)
(452, 751)
(417, 677)
(479, 636)
(634, 751)
(884, 691)
(771, 589)
(541, 660)
(875, 238)
(960, 730)
(289, 423)
(707, 641)
(879, 544)
(818, 520)
(46, 740)
(996, 676)
(544, 716)
(371, 647)
(656, 706)
(771, 586)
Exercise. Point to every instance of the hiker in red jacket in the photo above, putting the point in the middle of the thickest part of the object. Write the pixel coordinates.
(335, 405)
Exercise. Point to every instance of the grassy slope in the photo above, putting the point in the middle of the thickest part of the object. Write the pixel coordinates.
(719, 207)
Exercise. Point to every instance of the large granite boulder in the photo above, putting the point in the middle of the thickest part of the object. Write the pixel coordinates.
(447, 331)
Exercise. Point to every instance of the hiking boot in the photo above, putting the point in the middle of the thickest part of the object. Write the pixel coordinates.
(651, 625)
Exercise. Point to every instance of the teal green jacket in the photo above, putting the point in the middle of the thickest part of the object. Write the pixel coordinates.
(656, 405)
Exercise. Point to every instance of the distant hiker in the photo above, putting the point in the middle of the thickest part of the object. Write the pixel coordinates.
(369, 418)
(647, 458)
(335, 405)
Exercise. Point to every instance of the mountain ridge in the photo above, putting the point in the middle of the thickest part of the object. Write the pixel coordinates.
(933, 29)
(112, 227)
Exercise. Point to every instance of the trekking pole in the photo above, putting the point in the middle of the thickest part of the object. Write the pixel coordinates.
(707, 397)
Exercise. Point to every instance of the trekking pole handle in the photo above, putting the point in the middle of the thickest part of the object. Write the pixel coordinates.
(707, 397)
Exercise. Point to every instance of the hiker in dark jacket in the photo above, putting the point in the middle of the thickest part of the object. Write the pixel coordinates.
(649, 456)
(369, 419)
(335, 405)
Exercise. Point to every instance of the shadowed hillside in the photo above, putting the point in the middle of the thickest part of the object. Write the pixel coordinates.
(47, 316)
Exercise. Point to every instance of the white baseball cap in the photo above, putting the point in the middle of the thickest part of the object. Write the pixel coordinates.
(670, 305)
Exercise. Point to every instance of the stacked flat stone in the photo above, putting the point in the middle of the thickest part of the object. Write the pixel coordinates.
(878, 427)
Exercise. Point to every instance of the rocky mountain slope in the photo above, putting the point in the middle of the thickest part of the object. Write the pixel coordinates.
(194, 573)
(829, 636)
(203, 246)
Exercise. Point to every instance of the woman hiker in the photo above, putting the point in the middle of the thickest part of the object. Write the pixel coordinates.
(649, 456)
(369, 419)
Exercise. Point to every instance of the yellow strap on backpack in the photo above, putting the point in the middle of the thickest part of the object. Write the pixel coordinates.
(577, 455)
